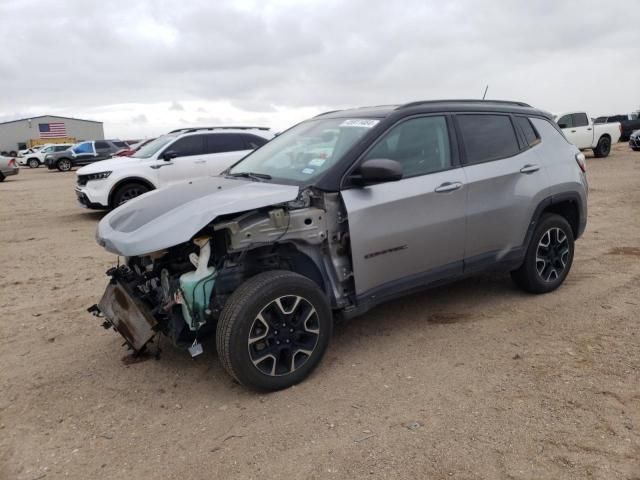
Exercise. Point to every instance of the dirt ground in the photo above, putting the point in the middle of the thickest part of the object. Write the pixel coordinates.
(474, 380)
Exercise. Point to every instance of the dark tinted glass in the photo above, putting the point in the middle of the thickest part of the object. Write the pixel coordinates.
(121, 144)
(187, 146)
(254, 141)
(102, 145)
(224, 142)
(421, 145)
(487, 137)
(580, 120)
(566, 121)
(530, 135)
(60, 148)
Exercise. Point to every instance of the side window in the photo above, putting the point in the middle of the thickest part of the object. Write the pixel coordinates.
(565, 121)
(224, 142)
(102, 145)
(48, 150)
(60, 148)
(530, 134)
(421, 145)
(580, 120)
(188, 146)
(85, 147)
(254, 141)
(487, 137)
(120, 144)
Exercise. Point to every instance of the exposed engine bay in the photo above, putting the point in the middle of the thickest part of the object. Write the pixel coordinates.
(180, 291)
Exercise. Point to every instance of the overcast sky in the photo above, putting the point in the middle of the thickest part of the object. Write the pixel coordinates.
(146, 66)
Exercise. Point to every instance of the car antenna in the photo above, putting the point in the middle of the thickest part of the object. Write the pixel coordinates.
(485, 91)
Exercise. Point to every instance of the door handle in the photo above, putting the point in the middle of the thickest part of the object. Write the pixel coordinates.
(448, 187)
(160, 165)
(200, 161)
(529, 169)
(589, 129)
(573, 131)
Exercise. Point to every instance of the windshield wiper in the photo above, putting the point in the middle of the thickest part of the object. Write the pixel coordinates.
(251, 175)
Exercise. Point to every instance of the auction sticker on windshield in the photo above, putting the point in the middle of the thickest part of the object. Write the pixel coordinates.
(360, 122)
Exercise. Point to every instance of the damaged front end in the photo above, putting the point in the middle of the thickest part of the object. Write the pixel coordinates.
(181, 290)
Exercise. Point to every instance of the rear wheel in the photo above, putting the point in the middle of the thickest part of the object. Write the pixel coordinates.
(549, 256)
(2, 177)
(34, 163)
(274, 330)
(64, 165)
(128, 191)
(603, 148)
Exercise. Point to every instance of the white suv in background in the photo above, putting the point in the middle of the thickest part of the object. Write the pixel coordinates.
(179, 155)
(35, 158)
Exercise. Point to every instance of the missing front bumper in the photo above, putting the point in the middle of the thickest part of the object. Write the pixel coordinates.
(128, 316)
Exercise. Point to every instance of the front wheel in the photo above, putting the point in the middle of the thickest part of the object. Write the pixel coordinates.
(549, 256)
(64, 165)
(34, 163)
(274, 330)
(603, 148)
(127, 192)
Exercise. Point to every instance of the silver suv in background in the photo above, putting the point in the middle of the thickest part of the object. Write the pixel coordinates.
(335, 215)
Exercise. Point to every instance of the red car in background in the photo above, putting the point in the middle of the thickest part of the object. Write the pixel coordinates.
(133, 148)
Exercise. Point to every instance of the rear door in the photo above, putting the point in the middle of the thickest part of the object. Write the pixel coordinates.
(223, 150)
(582, 130)
(409, 232)
(503, 174)
(84, 153)
(103, 150)
(190, 162)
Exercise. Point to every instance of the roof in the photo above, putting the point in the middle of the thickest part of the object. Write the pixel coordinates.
(54, 116)
(436, 106)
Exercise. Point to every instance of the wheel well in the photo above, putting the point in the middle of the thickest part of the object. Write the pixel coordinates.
(127, 180)
(604, 135)
(569, 210)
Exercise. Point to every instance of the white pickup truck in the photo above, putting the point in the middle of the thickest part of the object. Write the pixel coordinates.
(580, 130)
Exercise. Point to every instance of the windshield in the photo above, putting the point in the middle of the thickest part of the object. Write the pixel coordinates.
(154, 146)
(305, 151)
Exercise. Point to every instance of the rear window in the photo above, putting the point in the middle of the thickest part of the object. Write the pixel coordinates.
(254, 141)
(580, 120)
(530, 135)
(224, 142)
(487, 137)
(102, 145)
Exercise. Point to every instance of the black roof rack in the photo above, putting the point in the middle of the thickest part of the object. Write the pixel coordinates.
(475, 100)
(195, 129)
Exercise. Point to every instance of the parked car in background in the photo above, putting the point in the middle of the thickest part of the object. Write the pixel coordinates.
(584, 134)
(634, 141)
(179, 155)
(132, 148)
(628, 123)
(8, 167)
(35, 159)
(35, 149)
(335, 215)
(83, 153)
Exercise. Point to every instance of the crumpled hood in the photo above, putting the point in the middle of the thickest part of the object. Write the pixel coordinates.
(172, 215)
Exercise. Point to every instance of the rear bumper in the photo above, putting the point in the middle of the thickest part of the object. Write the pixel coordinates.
(10, 171)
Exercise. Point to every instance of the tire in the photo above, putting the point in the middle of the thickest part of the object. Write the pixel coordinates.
(64, 165)
(536, 274)
(13, 153)
(603, 148)
(250, 325)
(2, 177)
(33, 163)
(128, 191)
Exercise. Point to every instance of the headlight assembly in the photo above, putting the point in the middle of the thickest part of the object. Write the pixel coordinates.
(97, 176)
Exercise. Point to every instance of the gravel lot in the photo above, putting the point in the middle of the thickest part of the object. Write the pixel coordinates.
(473, 380)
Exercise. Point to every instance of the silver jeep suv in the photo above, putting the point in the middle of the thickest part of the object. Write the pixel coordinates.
(335, 215)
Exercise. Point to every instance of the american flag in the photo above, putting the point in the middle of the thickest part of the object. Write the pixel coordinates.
(52, 130)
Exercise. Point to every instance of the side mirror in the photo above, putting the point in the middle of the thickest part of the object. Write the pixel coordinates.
(169, 155)
(377, 170)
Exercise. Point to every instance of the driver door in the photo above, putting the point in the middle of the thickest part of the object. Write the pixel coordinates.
(411, 232)
(190, 162)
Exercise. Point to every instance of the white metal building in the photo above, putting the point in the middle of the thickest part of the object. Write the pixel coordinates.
(26, 132)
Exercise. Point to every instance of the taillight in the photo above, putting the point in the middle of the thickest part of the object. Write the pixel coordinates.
(12, 163)
(581, 160)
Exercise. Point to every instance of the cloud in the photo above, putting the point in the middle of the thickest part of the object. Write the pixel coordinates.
(176, 107)
(263, 58)
(142, 118)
